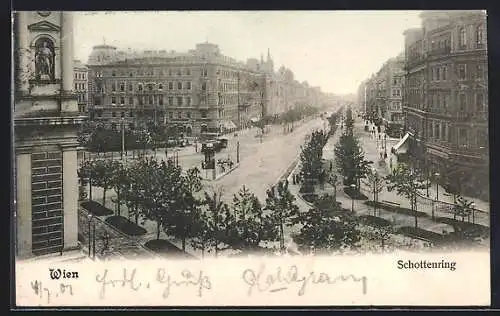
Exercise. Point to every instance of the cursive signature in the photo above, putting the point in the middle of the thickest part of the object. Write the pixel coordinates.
(280, 280)
(128, 280)
(199, 279)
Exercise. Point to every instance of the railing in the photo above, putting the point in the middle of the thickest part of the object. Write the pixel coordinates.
(440, 51)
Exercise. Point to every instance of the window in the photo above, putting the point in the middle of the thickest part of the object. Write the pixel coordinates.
(443, 132)
(170, 72)
(188, 101)
(188, 115)
(122, 87)
(479, 71)
(188, 72)
(113, 73)
(462, 73)
(141, 100)
(130, 87)
(179, 101)
(171, 115)
(76, 76)
(113, 86)
(179, 85)
(462, 102)
(179, 72)
(76, 86)
(437, 129)
(204, 86)
(170, 100)
(480, 36)
(113, 114)
(394, 81)
(97, 100)
(480, 102)
(122, 114)
(160, 99)
(179, 114)
(131, 126)
(444, 72)
(151, 100)
(204, 73)
(150, 86)
(188, 85)
(130, 74)
(462, 40)
(438, 74)
(113, 126)
(139, 87)
(160, 86)
(462, 136)
(170, 85)
(113, 100)
(481, 138)
(122, 100)
(203, 114)
(131, 114)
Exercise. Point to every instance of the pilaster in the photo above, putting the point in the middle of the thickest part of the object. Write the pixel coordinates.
(23, 204)
(70, 197)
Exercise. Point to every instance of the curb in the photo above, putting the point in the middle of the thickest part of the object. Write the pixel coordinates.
(226, 173)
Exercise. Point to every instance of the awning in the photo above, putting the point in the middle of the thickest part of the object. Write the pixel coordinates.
(402, 146)
(228, 125)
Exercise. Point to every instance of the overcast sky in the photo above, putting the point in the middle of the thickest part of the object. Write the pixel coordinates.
(335, 50)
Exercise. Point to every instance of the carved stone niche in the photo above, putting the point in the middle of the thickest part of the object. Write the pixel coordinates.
(44, 52)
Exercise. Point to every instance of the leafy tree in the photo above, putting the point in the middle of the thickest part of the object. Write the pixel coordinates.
(120, 183)
(379, 234)
(103, 175)
(408, 184)
(250, 225)
(350, 160)
(376, 184)
(159, 191)
(281, 203)
(333, 180)
(182, 216)
(215, 225)
(327, 227)
(463, 208)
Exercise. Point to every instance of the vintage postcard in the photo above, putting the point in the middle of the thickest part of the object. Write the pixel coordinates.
(278, 158)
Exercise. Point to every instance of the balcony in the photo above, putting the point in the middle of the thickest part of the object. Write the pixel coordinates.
(440, 51)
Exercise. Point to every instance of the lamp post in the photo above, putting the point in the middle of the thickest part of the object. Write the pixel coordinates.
(238, 152)
(437, 185)
(123, 139)
(353, 186)
(90, 217)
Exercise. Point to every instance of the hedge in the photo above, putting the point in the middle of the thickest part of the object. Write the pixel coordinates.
(96, 208)
(125, 226)
(396, 209)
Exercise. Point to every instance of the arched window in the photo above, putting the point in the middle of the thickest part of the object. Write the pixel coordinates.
(44, 59)
(462, 37)
(480, 36)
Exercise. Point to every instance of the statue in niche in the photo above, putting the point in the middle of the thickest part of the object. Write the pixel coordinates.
(44, 60)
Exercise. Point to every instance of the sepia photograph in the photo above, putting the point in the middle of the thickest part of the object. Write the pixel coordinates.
(230, 158)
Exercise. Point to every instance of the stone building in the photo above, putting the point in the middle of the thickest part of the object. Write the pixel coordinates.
(446, 99)
(80, 82)
(190, 92)
(46, 120)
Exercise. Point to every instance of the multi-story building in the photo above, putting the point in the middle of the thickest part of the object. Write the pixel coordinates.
(446, 98)
(46, 120)
(193, 92)
(80, 82)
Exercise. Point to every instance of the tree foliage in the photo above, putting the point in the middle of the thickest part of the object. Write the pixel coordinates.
(407, 183)
(326, 227)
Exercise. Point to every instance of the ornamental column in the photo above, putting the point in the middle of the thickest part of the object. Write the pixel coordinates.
(24, 66)
(67, 51)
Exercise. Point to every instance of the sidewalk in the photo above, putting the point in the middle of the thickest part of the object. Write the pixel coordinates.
(372, 152)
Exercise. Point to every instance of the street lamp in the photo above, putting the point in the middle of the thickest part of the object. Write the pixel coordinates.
(437, 185)
(91, 236)
(123, 138)
(353, 186)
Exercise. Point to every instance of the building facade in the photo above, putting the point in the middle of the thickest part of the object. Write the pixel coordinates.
(46, 120)
(81, 85)
(446, 99)
(190, 92)
(380, 96)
